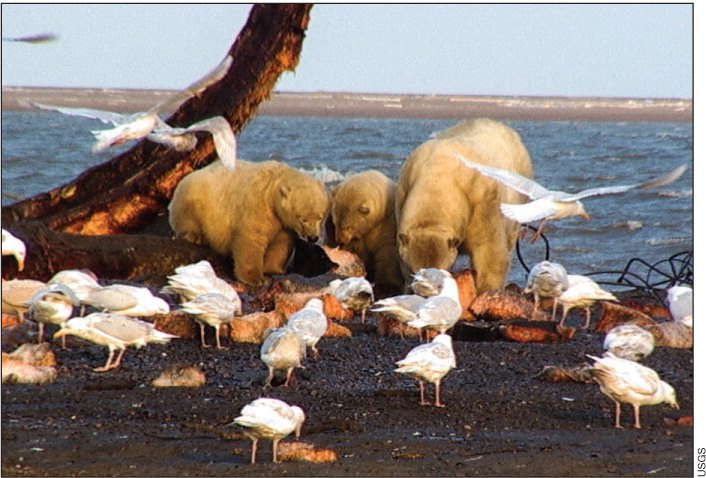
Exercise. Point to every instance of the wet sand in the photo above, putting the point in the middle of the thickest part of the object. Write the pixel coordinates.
(385, 105)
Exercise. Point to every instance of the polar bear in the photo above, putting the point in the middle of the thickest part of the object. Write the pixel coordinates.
(444, 207)
(363, 217)
(253, 213)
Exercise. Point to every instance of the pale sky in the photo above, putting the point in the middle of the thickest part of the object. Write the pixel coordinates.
(603, 50)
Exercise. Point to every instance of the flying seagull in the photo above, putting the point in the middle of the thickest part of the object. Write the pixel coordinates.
(547, 205)
(148, 124)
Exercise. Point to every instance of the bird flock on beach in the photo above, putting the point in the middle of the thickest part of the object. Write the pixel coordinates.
(115, 315)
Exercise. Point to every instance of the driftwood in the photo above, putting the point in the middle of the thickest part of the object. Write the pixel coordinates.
(128, 192)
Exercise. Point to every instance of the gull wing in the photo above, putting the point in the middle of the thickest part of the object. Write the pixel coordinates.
(515, 181)
(107, 117)
(198, 86)
(223, 138)
(654, 183)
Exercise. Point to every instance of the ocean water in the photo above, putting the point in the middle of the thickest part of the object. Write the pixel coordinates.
(43, 150)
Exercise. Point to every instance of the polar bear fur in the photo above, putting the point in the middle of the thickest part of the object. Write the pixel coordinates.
(445, 208)
(253, 213)
(363, 216)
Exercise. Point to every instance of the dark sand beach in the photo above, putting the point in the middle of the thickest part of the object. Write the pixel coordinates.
(384, 105)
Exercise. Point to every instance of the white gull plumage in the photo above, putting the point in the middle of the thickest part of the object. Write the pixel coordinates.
(13, 246)
(272, 419)
(115, 331)
(625, 381)
(53, 305)
(582, 292)
(310, 323)
(629, 342)
(212, 309)
(355, 293)
(148, 124)
(428, 281)
(430, 362)
(681, 304)
(282, 349)
(196, 279)
(546, 279)
(127, 300)
(548, 205)
(80, 282)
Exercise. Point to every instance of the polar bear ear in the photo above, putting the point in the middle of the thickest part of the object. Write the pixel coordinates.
(403, 238)
(285, 190)
(363, 209)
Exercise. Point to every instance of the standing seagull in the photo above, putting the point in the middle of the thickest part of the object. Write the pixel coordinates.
(582, 292)
(355, 293)
(546, 205)
(115, 331)
(439, 312)
(310, 323)
(127, 300)
(272, 419)
(149, 124)
(211, 309)
(54, 305)
(625, 381)
(283, 349)
(547, 279)
(430, 362)
(193, 280)
(13, 246)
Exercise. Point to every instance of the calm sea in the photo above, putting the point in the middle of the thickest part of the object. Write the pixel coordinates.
(43, 150)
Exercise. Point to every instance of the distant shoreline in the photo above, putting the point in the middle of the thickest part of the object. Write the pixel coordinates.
(375, 105)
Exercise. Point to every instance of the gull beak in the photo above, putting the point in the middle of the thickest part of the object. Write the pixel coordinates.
(585, 215)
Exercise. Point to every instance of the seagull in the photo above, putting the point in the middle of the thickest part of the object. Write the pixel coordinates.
(625, 381)
(149, 124)
(681, 304)
(80, 282)
(310, 323)
(211, 309)
(193, 280)
(582, 292)
(33, 39)
(272, 419)
(546, 279)
(439, 312)
(430, 362)
(17, 292)
(115, 331)
(355, 293)
(127, 300)
(548, 205)
(402, 307)
(428, 281)
(282, 349)
(13, 246)
(629, 342)
(54, 305)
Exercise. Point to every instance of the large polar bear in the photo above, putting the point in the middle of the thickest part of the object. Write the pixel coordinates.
(253, 213)
(444, 207)
(363, 217)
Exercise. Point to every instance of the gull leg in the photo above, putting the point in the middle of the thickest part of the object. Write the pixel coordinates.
(563, 317)
(253, 452)
(275, 442)
(438, 395)
(117, 361)
(268, 382)
(218, 337)
(106, 367)
(637, 415)
(421, 392)
(41, 333)
(538, 233)
(588, 318)
(617, 415)
(203, 339)
(554, 308)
